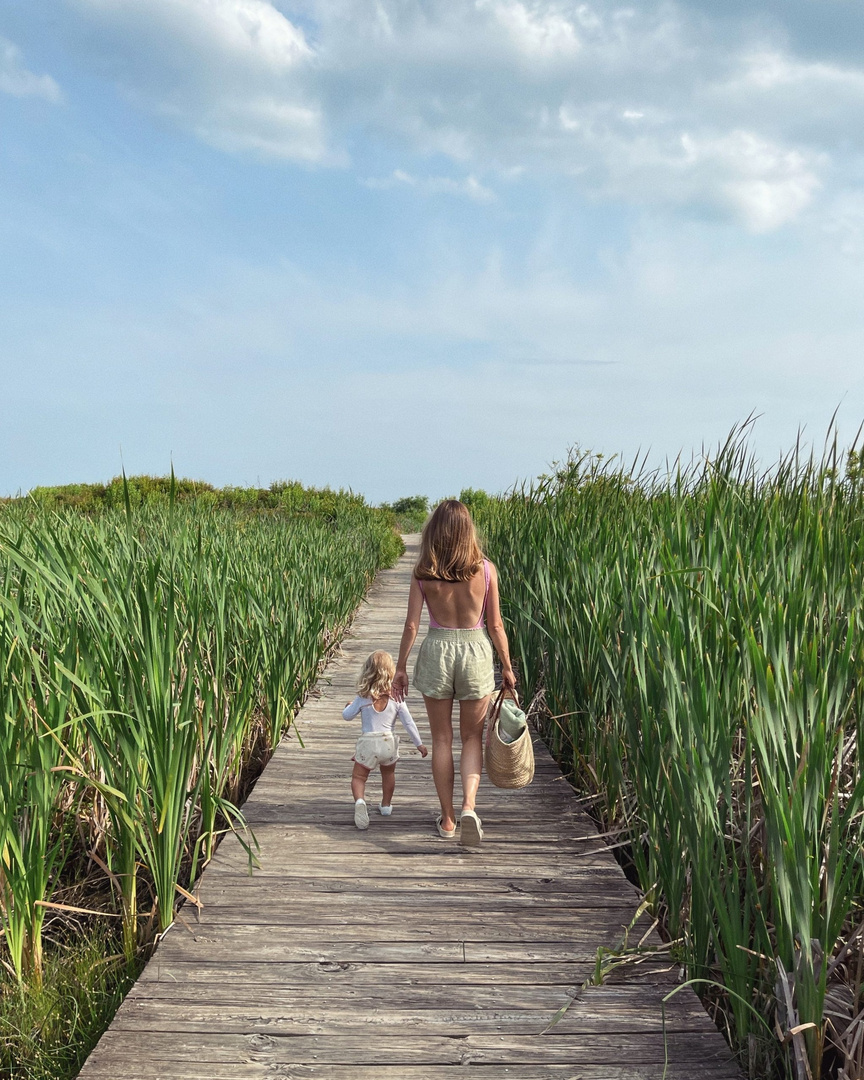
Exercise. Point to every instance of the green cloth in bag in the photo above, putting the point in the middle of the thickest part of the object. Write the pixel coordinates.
(512, 721)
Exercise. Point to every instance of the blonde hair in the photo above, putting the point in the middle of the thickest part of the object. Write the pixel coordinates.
(449, 548)
(377, 675)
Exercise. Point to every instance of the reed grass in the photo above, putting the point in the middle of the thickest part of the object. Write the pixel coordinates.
(146, 653)
(697, 640)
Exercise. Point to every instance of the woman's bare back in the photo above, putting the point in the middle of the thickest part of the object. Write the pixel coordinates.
(456, 604)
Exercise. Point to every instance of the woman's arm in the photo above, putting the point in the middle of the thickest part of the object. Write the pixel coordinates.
(495, 629)
(409, 636)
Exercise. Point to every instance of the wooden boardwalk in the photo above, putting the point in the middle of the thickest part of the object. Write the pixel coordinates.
(392, 954)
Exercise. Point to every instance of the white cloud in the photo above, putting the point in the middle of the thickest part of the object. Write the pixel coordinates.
(470, 187)
(768, 185)
(653, 103)
(15, 79)
(540, 31)
(231, 71)
(252, 30)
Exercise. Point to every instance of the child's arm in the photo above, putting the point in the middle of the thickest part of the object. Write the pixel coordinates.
(409, 725)
(354, 707)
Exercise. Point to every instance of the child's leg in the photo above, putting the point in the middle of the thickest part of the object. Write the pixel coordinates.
(358, 781)
(388, 783)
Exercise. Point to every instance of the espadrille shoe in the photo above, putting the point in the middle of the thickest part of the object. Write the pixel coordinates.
(471, 830)
(448, 835)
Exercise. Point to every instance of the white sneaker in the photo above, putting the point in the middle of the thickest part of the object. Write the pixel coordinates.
(385, 810)
(361, 814)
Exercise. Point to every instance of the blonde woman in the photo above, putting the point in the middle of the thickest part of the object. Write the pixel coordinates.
(378, 745)
(460, 589)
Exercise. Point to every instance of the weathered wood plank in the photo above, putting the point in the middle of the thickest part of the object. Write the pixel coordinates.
(253, 1070)
(307, 976)
(600, 1009)
(409, 1048)
(295, 997)
(266, 893)
(450, 863)
(404, 888)
(394, 954)
(305, 946)
(439, 920)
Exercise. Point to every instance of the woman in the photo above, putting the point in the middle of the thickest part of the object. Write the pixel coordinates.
(460, 587)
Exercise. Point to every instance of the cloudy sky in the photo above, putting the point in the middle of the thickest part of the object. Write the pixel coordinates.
(417, 245)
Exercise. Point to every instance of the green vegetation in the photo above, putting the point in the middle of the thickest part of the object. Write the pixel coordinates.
(288, 496)
(697, 642)
(410, 513)
(49, 1031)
(149, 654)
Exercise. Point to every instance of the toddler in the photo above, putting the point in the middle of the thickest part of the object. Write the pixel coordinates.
(378, 743)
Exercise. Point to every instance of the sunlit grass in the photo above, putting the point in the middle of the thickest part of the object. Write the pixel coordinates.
(697, 641)
(47, 1033)
(145, 655)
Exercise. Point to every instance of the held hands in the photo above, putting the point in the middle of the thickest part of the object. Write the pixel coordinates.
(399, 688)
(423, 750)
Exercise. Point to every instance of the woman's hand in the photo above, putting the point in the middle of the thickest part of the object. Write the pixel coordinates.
(399, 688)
(508, 678)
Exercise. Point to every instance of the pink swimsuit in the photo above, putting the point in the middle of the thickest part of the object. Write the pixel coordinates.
(434, 625)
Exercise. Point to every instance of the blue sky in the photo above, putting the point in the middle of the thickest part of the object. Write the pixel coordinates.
(417, 245)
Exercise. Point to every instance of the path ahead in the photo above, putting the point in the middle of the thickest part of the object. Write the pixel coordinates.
(393, 954)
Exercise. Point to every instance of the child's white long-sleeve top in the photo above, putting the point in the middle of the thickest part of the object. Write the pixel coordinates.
(385, 721)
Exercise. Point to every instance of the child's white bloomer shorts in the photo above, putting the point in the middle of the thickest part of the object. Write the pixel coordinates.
(377, 748)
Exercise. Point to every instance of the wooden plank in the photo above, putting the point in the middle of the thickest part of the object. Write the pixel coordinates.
(443, 1010)
(395, 954)
(402, 887)
(312, 1000)
(412, 1049)
(253, 1070)
(453, 863)
(268, 893)
(593, 928)
(306, 977)
(247, 943)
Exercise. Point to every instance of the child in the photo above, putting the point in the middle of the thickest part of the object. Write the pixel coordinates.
(378, 744)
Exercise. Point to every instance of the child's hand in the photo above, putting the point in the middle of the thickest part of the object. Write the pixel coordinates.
(423, 750)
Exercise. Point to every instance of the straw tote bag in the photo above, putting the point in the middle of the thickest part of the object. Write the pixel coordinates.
(508, 764)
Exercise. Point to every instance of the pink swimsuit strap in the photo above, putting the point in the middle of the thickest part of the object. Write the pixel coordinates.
(435, 625)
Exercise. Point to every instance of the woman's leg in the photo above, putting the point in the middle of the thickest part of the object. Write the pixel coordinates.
(388, 783)
(471, 717)
(440, 714)
(358, 781)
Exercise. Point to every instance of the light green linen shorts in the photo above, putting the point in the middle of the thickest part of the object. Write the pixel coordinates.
(455, 664)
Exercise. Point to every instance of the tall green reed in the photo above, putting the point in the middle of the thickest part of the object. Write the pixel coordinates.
(144, 655)
(695, 636)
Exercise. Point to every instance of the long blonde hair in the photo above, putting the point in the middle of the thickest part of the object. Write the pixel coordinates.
(449, 548)
(376, 677)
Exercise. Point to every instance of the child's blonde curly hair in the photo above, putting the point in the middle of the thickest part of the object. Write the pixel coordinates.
(376, 677)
